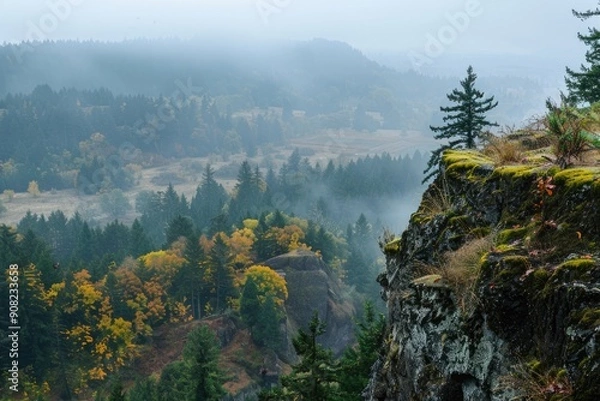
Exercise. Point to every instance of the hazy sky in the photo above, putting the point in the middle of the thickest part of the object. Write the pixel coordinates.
(491, 26)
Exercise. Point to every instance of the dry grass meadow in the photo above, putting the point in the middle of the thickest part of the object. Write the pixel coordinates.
(186, 174)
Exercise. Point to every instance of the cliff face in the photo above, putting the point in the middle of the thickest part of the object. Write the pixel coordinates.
(493, 291)
(312, 287)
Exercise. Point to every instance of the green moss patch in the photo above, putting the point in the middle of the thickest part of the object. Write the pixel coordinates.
(512, 234)
(575, 269)
(578, 177)
(392, 246)
(459, 161)
(516, 262)
(515, 171)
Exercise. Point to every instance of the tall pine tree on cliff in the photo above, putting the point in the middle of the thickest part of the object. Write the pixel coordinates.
(465, 121)
(584, 86)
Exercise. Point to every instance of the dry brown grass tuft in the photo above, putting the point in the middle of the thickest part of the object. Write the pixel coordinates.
(436, 200)
(504, 150)
(532, 385)
(460, 270)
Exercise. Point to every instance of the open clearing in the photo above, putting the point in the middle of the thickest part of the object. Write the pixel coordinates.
(341, 146)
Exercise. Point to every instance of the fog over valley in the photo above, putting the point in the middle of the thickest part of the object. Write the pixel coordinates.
(243, 199)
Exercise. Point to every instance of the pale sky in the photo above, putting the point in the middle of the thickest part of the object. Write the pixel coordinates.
(491, 26)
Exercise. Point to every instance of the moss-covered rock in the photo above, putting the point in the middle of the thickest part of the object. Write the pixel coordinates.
(467, 162)
(512, 234)
(392, 246)
(538, 286)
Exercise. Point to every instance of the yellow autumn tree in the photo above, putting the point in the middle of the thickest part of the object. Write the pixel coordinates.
(164, 264)
(268, 282)
(147, 299)
(250, 224)
(288, 238)
(240, 246)
(101, 342)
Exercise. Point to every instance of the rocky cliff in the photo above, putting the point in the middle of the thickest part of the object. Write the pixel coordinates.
(493, 291)
(313, 287)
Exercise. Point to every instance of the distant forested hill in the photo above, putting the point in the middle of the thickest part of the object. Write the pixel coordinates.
(319, 76)
(67, 108)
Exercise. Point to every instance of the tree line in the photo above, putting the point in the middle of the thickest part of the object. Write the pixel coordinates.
(94, 140)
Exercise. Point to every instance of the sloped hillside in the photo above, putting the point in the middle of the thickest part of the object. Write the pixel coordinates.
(493, 291)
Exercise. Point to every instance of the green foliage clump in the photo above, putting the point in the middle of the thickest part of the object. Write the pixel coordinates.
(567, 127)
(590, 318)
(144, 389)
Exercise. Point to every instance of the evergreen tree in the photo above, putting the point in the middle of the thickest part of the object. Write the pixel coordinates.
(143, 390)
(278, 219)
(219, 224)
(219, 266)
(174, 382)
(188, 282)
(584, 86)
(139, 243)
(314, 378)
(201, 355)
(38, 252)
(325, 243)
(248, 194)
(362, 253)
(357, 361)
(114, 241)
(250, 303)
(117, 393)
(209, 200)
(465, 121)
(266, 330)
(179, 227)
(85, 248)
(159, 209)
(292, 179)
(265, 246)
(57, 236)
(171, 204)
